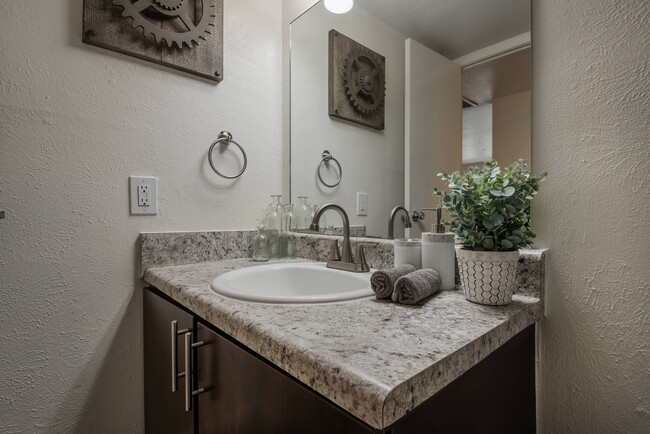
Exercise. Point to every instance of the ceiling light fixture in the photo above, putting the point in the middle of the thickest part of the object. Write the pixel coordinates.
(339, 6)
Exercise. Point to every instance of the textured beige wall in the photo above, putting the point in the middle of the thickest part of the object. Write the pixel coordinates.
(591, 131)
(75, 122)
(511, 128)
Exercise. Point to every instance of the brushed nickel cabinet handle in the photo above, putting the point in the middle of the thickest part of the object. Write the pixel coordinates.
(174, 356)
(189, 393)
(174, 336)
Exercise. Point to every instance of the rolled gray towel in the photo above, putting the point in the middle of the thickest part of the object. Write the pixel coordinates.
(416, 286)
(383, 281)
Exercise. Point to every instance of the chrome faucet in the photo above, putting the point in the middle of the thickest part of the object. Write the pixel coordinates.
(406, 218)
(342, 261)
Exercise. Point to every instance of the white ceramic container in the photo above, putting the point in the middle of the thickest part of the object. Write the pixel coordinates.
(408, 251)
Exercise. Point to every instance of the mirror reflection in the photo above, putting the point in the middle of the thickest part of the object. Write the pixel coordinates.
(388, 94)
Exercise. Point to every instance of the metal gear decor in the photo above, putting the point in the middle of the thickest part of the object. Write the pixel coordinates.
(190, 32)
(170, 5)
(364, 81)
(182, 34)
(357, 82)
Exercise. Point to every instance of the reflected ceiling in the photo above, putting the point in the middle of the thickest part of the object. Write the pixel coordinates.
(454, 28)
(497, 78)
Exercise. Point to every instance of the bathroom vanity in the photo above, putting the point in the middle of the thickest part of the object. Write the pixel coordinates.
(363, 365)
(357, 366)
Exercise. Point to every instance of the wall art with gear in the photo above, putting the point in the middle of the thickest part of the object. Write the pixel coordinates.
(357, 82)
(182, 34)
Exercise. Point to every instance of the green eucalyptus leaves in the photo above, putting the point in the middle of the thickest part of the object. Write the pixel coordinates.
(490, 207)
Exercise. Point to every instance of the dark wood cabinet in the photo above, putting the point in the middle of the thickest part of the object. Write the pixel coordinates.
(496, 396)
(243, 393)
(164, 409)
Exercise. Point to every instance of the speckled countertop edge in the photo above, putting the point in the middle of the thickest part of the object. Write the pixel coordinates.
(378, 369)
(158, 249)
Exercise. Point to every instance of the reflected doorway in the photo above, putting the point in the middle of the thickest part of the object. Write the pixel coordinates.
(496, 109)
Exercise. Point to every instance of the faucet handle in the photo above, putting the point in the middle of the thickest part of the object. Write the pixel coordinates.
(360, 258)
(335, 253)
(417, 215)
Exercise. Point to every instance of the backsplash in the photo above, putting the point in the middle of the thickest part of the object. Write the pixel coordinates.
(355, 230)
(530, 273)
(159, 249)
(378, 252)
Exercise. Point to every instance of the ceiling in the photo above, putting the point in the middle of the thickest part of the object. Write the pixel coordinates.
(497, 78)
(454, 28)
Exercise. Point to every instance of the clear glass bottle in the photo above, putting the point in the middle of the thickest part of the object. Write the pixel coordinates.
(261, 245)
(312, 213)
(272, 217)
(287, 241)
(302, 213)
(273, 223)
(290, 216)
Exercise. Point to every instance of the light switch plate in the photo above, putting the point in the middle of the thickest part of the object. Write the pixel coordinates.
(144, 195)
(362, 204)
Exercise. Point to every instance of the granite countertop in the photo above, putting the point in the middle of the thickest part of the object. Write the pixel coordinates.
(376, 359)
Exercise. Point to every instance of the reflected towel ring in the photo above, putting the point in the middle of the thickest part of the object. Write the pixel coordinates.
(327, 157)
(226, 137)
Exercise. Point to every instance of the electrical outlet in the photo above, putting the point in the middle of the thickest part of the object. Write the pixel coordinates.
(362, 204)
(144, 195)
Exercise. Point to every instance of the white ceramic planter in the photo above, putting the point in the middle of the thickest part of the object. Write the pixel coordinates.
(488, 277)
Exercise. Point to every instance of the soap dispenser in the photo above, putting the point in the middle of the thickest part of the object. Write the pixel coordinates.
(439, 252)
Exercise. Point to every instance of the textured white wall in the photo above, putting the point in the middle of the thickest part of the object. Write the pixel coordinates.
(372, 161)
(591, 131)
(75, 122)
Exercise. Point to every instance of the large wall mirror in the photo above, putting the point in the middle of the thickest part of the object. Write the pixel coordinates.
(456, 76)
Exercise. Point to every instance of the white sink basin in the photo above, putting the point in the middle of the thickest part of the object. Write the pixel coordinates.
(293, 283)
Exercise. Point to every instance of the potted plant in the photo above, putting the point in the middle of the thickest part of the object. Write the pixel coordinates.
(490, 211)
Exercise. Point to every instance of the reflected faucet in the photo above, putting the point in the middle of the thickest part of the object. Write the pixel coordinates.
(406, 218)
(342, 261)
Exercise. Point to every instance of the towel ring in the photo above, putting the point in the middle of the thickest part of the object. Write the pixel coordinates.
(226, 137)
(327, 157)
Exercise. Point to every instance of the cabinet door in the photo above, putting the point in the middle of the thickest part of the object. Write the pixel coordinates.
(494, 397)
(164, 409)
(246, 395)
